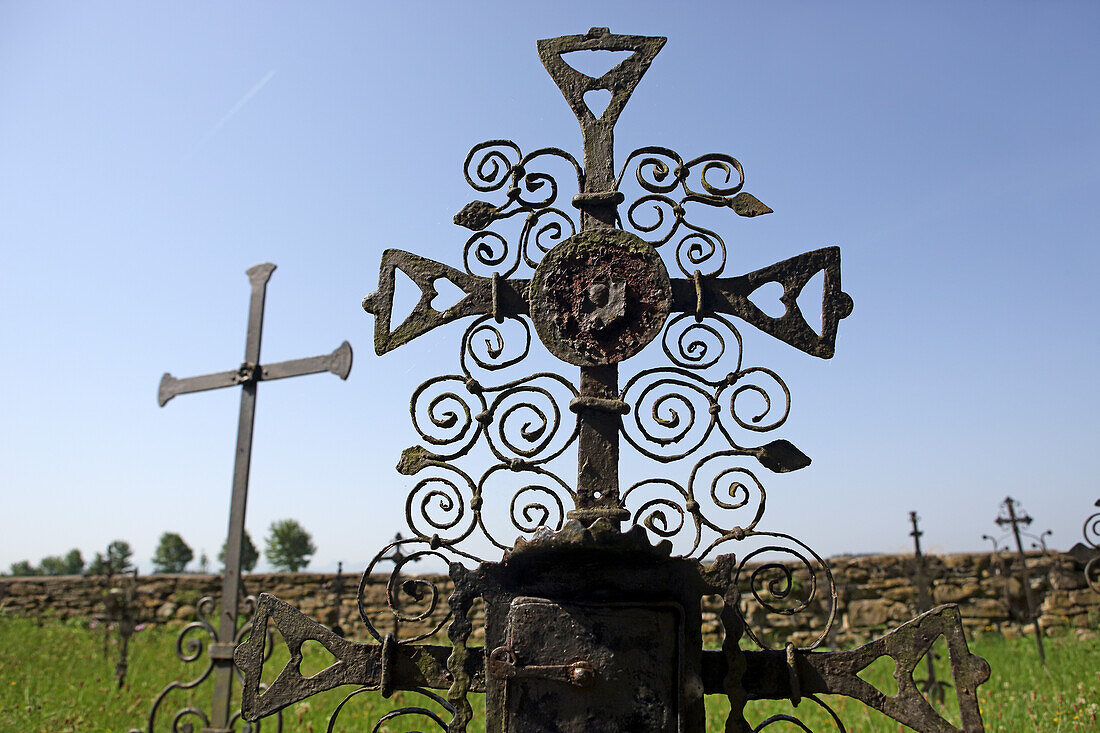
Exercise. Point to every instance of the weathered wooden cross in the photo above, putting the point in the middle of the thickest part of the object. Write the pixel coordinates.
(247, 376)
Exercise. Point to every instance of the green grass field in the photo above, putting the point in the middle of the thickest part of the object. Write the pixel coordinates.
(54, 677)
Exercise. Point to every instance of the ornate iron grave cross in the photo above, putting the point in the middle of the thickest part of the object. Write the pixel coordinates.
(225, 635)
(590, 626)
(1009, 518)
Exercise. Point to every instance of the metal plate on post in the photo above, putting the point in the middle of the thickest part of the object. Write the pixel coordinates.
(600, 668)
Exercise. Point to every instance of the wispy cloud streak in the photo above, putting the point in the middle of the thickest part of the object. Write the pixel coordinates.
(232, 111)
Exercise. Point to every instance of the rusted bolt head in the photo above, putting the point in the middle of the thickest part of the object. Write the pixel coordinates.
(582, 675)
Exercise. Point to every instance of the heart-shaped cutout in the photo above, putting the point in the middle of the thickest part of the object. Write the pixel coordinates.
(767, 299)
(597, 100)
(447, 295)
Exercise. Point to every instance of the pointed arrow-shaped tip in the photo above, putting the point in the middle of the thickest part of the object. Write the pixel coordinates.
(747, 205)
(476, 215)
(781, 456)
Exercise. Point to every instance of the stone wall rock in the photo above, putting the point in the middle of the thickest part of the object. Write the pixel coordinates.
(875, 593)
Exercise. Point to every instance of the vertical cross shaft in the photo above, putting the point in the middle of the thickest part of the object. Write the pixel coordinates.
(258, 277)
(1015, 521)
(598, 441)
(916, 535)
(920, 577)
(924, 598)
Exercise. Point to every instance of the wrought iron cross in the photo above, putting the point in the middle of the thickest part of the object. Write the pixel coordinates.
(935, 688)
(1009, 518)
(590, 626)
(920, 576)
(247, 376)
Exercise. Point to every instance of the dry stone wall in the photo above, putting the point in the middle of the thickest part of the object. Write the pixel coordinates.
(875, 593)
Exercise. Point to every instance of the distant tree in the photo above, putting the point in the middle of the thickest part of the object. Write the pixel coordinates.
(249, 554)
(70, 564)
(117, 560)
(204, 563)
(74, 562)
(23, 568)
(288, 546)
(172, 554)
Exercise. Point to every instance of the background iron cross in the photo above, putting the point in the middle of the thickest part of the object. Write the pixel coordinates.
(603, 294)
(1013, 520)
(247, 376)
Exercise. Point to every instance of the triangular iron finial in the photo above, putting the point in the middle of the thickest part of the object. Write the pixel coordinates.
(620, 80)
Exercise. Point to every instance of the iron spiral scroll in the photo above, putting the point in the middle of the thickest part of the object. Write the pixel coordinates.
(1091, 532)
(193, 645)
(594, 288)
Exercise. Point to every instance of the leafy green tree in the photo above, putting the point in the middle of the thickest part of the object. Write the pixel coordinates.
(23, 568)
(172, 554)
(70, 564)
(116, 561)
(288, 546)
(74, 562)
(249, 554)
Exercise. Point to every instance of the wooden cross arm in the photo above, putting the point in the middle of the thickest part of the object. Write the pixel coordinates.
(338, 362)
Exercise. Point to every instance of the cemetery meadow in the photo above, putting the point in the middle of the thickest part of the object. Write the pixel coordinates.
(72, 686)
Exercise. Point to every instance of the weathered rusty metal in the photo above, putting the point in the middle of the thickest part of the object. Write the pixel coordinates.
(1011, 519)
(336, 588)
(933, 687)
(592, 620)
(1088, 552)
(120, 615)
(224, 634)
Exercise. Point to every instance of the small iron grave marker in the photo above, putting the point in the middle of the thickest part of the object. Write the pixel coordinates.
(1013, 520)
(591, 622)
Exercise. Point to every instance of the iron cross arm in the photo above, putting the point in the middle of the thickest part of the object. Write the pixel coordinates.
(700, 295)
(391, 666)
(338, 362)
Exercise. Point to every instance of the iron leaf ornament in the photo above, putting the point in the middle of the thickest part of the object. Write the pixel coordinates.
(592, 621)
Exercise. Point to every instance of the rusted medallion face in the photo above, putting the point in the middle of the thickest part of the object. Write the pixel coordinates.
(599, 297)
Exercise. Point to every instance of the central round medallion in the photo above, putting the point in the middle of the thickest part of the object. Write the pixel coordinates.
(599, 297)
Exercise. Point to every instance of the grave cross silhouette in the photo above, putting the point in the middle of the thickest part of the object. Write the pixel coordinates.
(1014, 520)
(930, 685)
(629, 294)
(247, 377)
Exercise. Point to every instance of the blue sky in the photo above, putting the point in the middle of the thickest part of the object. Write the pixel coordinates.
(151, 153)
